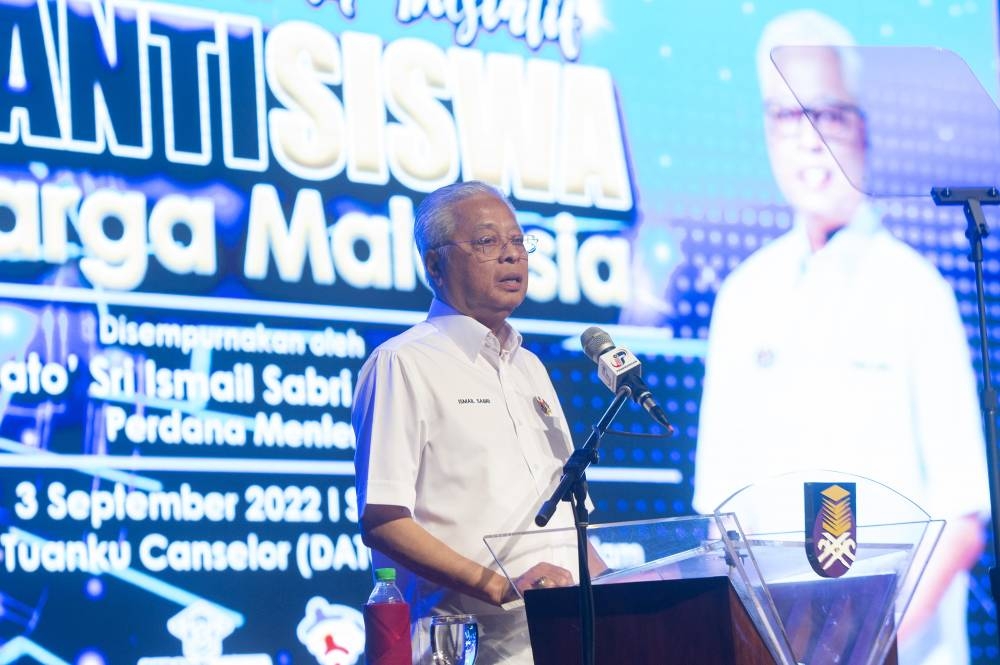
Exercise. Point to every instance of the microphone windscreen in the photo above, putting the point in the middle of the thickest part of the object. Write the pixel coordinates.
(595, 342)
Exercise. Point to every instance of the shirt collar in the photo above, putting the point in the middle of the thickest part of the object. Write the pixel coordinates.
(846, 242)
(469, 335)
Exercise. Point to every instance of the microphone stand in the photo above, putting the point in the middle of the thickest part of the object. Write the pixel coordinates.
(573, 488)
(972, 199)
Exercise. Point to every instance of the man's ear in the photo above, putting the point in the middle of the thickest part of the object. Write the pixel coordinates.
(434, 266)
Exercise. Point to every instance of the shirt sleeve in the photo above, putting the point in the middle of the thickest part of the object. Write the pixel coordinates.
(389, 429)
(948, 420)
(713, 481)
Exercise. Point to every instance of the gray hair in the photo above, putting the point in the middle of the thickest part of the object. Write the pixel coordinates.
(807, 27)
(435, 222)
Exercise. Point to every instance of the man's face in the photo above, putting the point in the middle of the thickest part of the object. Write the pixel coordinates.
(810, 178)
(487, 288)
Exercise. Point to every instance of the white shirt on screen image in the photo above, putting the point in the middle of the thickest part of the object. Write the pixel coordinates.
(851, 358)
(470, 437)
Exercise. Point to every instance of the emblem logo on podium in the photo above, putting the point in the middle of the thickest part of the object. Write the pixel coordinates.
(831, 527)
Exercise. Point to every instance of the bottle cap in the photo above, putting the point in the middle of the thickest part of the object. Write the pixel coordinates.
(385, 574)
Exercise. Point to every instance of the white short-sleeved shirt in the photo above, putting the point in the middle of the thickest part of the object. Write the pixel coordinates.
(470, 437)
(851, 358)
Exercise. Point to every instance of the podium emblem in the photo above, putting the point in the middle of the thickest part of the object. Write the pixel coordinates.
(831, 527)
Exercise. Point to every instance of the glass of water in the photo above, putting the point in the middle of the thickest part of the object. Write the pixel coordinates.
(454, 639)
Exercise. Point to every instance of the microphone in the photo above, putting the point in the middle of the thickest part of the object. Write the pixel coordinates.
(618, 368)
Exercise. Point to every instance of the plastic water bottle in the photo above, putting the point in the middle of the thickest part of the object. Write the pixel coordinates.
(387, 622)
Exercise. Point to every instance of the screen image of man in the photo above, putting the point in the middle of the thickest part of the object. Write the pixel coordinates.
(460, 432)
(838, 346)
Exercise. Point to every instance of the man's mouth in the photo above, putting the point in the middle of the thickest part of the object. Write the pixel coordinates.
(814, 176)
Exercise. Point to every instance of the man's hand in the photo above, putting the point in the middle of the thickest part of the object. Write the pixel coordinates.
(540, 576)
(392, 531)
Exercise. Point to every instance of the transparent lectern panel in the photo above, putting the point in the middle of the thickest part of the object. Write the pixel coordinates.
(828, 587)
(679, 548)
(839, 555)
(672, 548)
(897, 120)
(517, 552)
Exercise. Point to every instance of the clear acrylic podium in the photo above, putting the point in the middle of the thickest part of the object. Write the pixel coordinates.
(737, 586)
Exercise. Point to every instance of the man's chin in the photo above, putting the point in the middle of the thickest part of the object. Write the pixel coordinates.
(510, 301)
(829, 205)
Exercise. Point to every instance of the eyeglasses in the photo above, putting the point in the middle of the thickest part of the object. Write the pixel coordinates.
(838, 122)
(490, 246)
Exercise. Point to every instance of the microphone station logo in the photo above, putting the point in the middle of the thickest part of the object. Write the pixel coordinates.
(619, 358)
(615, 366)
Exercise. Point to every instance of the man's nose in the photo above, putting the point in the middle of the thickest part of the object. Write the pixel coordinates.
(510, 252)
(809, 138)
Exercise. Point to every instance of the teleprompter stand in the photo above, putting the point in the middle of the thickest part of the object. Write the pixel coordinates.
(972, 200)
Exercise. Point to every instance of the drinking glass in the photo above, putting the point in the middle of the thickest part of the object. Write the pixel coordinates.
(454, 639)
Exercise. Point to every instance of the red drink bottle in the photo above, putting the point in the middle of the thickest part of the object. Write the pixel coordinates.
(387, 623)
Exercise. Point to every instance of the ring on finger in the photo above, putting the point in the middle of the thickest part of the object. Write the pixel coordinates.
(542, 581)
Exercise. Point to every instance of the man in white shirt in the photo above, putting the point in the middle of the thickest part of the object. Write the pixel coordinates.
(460, 432)
(838, 346)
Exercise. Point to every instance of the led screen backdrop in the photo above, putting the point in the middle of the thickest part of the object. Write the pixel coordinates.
(206, 225)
